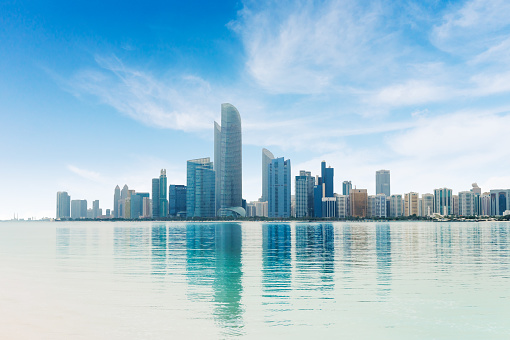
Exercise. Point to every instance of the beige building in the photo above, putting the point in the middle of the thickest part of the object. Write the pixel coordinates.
(411, 206)
(359, 202)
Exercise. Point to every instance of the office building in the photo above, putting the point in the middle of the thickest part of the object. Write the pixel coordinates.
(267, 157)
(228, 153)
(200, 189)
(342, 206)
(382, 182)
(279, 195)
(379, 206)
(455, 204)
(411, 206)
(485, 204)
(147, 207)
(468, 202)
(476, 189)
(177, 200)
(155, 198)
(396, 205)
(359, 202)
(136, 203)
(163, 198)
(323, 188)
(95, 209)
(127, 207)
(329, 207)
(116, 198)
(500, 201)
(443, 201)
(427, 204)
(304, 194)
(346, 187)
(78, 209)
(63, 205)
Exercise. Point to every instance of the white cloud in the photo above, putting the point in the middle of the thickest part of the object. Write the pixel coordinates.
(86, 174)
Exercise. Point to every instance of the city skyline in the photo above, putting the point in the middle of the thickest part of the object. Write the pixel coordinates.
(98, 95)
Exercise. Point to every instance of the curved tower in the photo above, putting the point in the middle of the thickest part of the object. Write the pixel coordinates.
(230, 161)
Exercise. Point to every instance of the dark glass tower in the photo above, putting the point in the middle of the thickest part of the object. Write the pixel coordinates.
(155, 197)
(163, 200)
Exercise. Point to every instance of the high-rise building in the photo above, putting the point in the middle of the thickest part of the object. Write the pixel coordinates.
(329, 207)
(304, 194)
(346, 187)
(228, 152)
(279, 187)
(163, 197)
(267, 157)
(63, 205)
(411, 206)
(359, 202)
(485, 204)
(378, 208)
(200, 190)
(443, 201)
(382, 182)
(427, 204)
(95, 209)
(155, 198)
(125, 192)
(342, 206)
(177, 200)
(116, 198)
(500, 201)
(323, 188)
(127, 207)
(136, 203)
(455, 204)
(396, 205)
(78, 209)
(468, 203)
(147, 207)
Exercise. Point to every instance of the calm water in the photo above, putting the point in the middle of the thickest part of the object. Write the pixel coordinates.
(149, 280)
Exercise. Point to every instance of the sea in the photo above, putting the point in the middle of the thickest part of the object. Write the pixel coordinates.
(256, 280)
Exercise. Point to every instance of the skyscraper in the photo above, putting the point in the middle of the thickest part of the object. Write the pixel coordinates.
(136, 204)
(116, 198)
(382, 182)
(163, 200)
(200, 189)
(228, 152)
(468, 203)
(267, 157)
(95, 209)
(155, 198)
(500, 201)
(78, 209)
(359, 202)
(443, 201)
(177, 200)
(411, 206)
(427, 204)
(323, 188)
(279, 204)
(346, 187)
(396, 205)
(63, 205)
(304, 194)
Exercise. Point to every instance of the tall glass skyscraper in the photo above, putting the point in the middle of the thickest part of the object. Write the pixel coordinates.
(200, 188)
(163, 200)
(116, 198)
(176, 200)
(63, 205)
(228, 152)
(279, 188)
(267, 157)
(304, 194)
(155, 197)
(346, 188)
(382, 182)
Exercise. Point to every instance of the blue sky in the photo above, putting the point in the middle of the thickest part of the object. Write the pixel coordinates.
(93, 95)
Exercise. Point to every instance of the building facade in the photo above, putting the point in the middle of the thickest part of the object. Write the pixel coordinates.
(396, 205)
(382, 182)
(427, 204)
(116, 198)
(359, 202)
(304, 194)
(267, 157)
(78, 209)
(163, 197)
(411, 206)
(342, 206)
(177, 200)
(279, 188)
(500, 201)
(346, 187)
(443, 201)
(155, 198)
(63, 205)
(200, 188)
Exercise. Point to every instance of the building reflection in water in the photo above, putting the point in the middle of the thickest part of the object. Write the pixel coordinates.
(277, 265)
(158, 248)
(315, 244)
(214, 258)
(383, 253)
(62, 242)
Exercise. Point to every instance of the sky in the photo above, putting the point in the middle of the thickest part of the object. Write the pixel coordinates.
(97, 94)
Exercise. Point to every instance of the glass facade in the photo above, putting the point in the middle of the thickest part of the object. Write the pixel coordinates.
(163, 200)
(155, 197)
(279, 187)
(382, 182)
(304, 194)
(176, 200)
(200, 190)
(63, 205)
(116, 198)
(267, 157)
(443, 201)
(346, 188)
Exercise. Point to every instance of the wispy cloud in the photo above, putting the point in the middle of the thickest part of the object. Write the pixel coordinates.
(86, 174)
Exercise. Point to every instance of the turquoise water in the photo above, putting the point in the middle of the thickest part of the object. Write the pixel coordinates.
(146, 280)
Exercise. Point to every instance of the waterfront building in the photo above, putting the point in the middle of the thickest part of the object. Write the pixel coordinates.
(251, 209)
(323, 188)
(78, 209)
(200, 189)
(468, 203)
(177, 200)
(427, 204)
(136, 202)
(127, 207)
(500, 201)
(261, 209)
(124, 192)
(370, 205)
(476, 189)
(147, 207)
(329, 207)
(116, 198)
(108, 213)
(89, 213)
(396, 205)
(485, 204)
(382, 182)
(279, 187)
(155, 198)
(455, 203)
(379, 208)
(95, 209)
(163, 198)
(342, 206)
(346, 187)
(359, 202)
(267, 157)
(304, 194)
(63, 205)
(443, 201)
(228, 153)
(411, 204)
